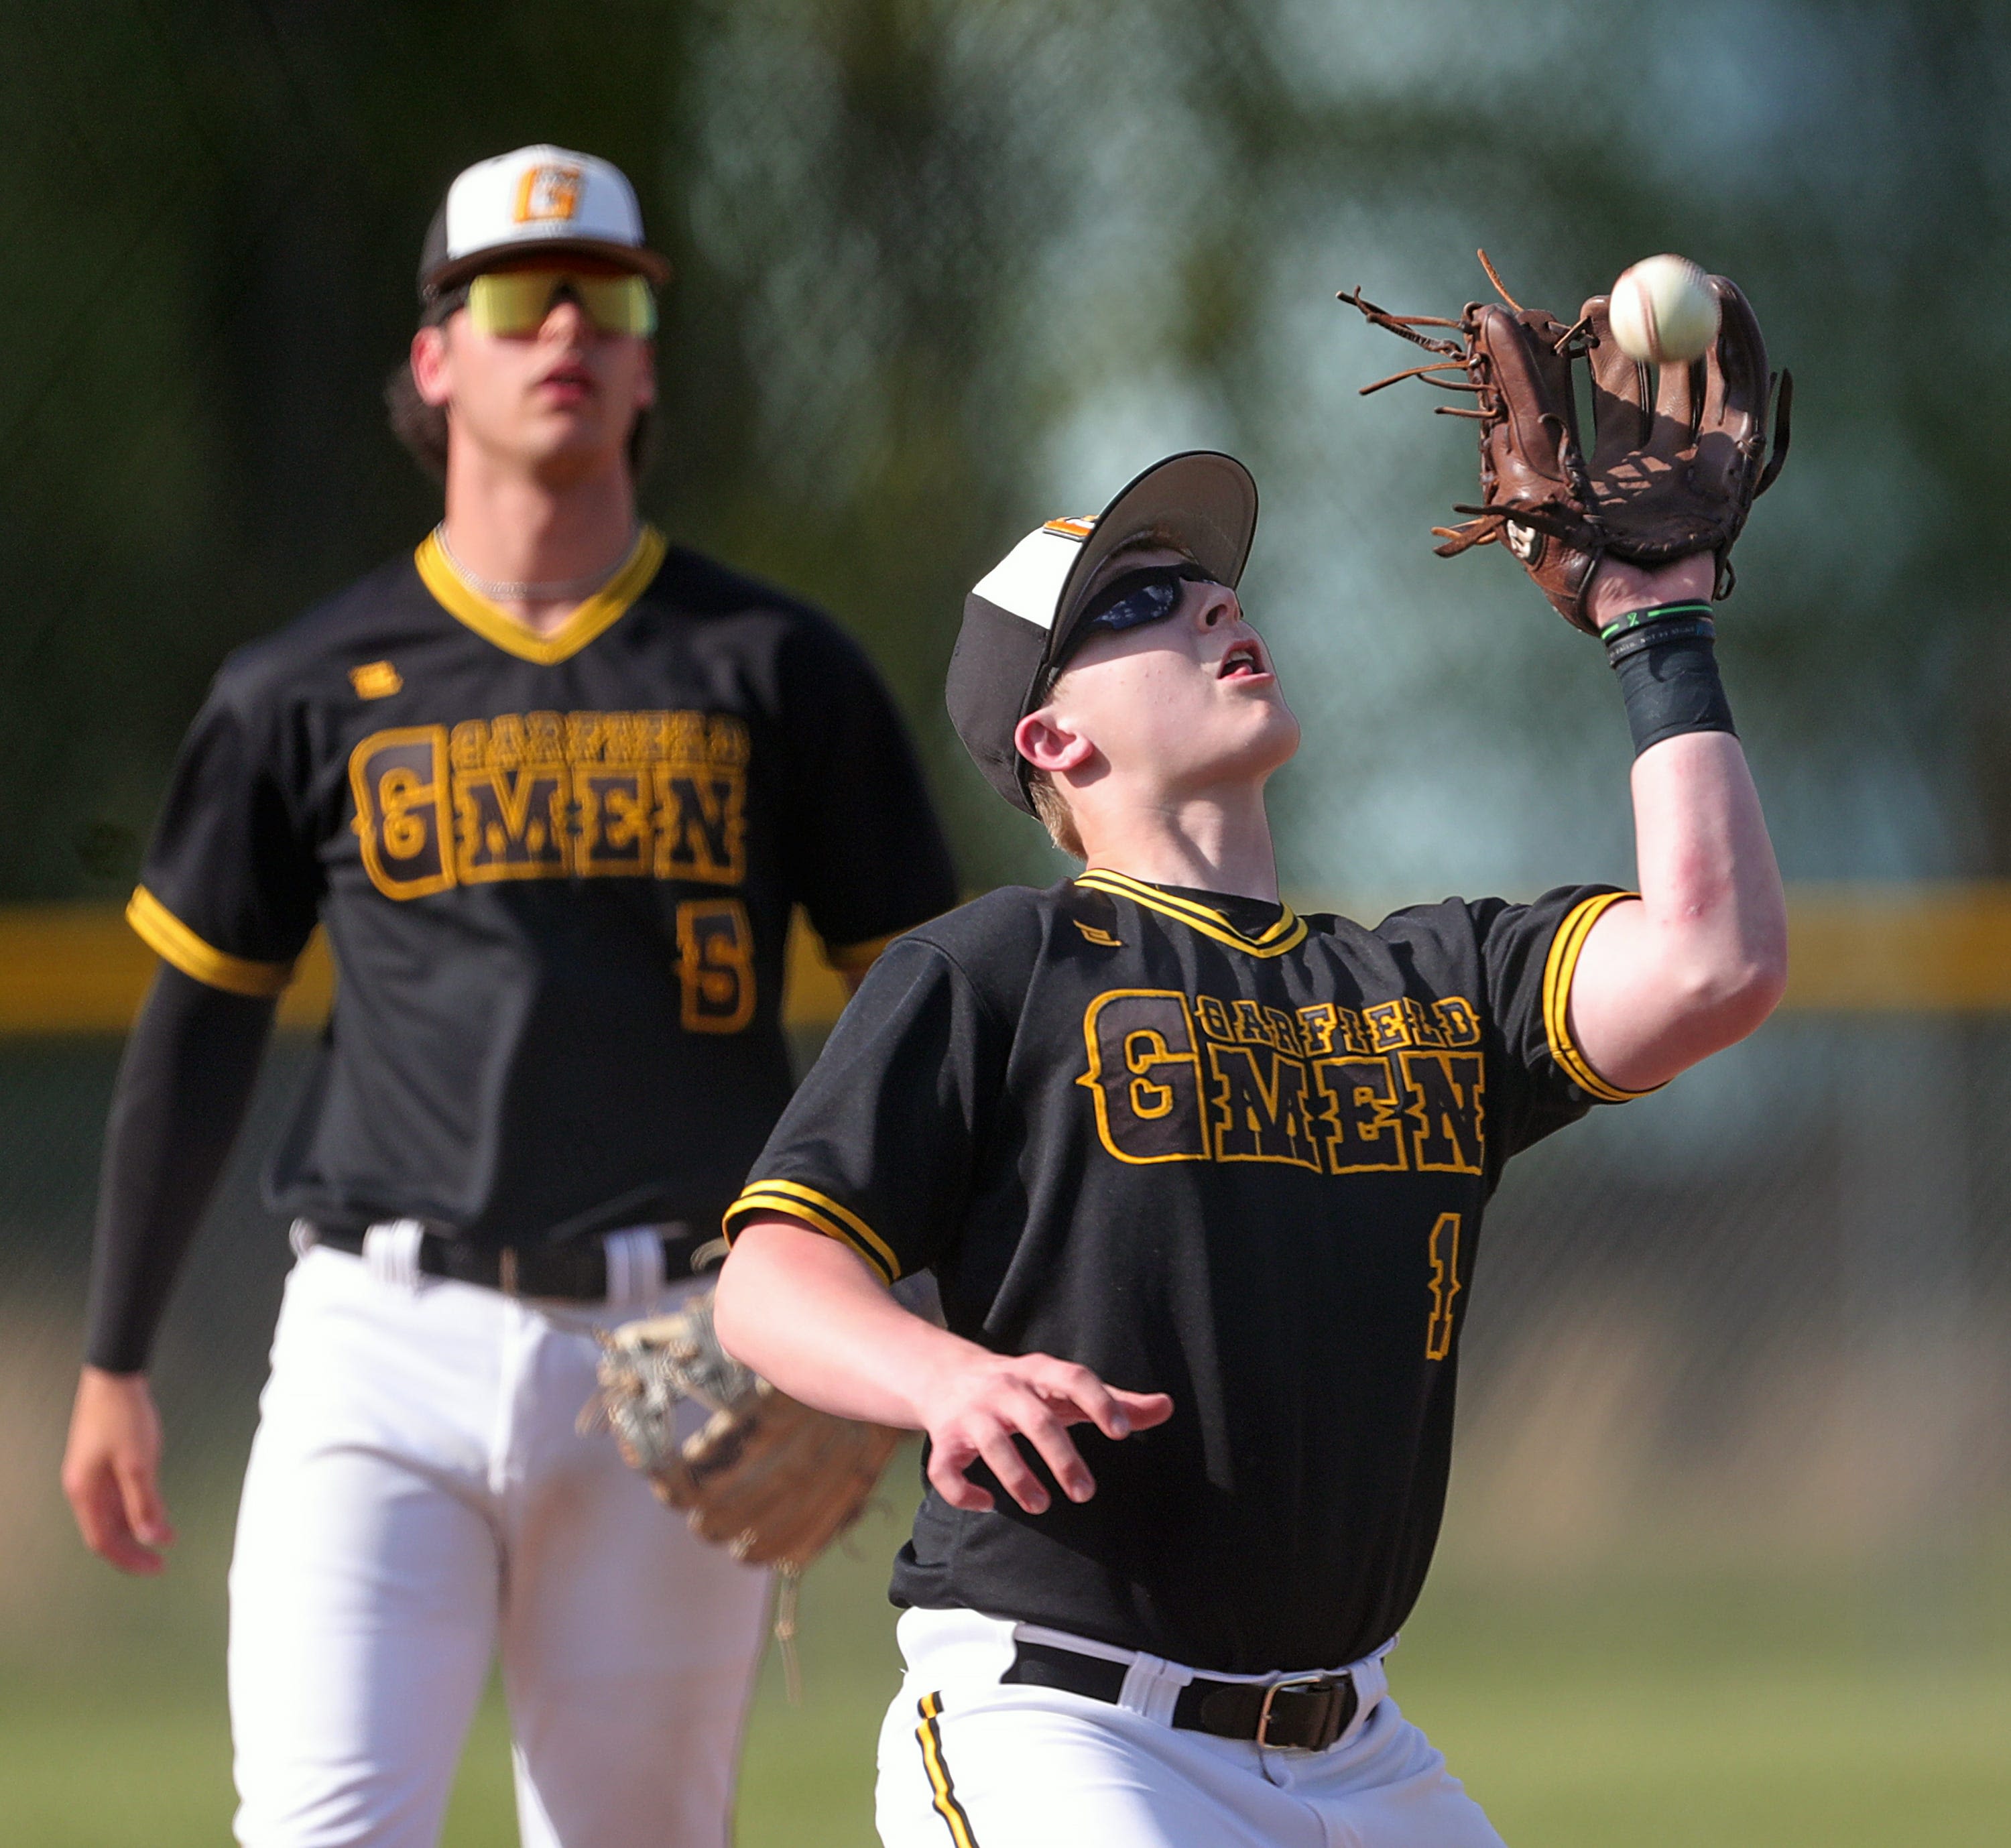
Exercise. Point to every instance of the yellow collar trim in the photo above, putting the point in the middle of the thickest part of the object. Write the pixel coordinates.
(593, 618)
(1288, 933)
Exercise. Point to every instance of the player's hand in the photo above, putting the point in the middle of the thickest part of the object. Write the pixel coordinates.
(111, 1471)
(989, 1399)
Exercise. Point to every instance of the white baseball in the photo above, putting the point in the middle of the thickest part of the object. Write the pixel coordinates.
(1662, 311)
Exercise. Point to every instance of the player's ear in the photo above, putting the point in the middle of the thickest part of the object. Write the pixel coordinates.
(429, 366)
(646, 382)
(1048, 743)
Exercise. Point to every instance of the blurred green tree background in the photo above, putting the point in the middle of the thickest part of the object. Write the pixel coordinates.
(1725, 1555)
(944, 268)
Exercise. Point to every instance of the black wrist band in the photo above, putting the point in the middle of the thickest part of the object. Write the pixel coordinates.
(1667, 667)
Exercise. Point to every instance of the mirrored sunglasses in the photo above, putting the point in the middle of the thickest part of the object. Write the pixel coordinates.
(1132, 601)
(516, 301)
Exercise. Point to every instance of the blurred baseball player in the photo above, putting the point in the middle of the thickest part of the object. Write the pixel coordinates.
(553, 788)
(1204, 1179)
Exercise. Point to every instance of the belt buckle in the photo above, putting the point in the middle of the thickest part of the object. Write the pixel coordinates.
(1304, 1684)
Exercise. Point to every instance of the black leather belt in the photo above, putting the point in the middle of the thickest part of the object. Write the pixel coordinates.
(1306, 1713)
(576, 1271)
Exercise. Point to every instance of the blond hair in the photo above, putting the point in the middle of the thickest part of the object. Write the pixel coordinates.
(1051, 807)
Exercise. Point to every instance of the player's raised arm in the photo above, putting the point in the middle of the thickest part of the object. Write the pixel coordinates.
(805, 1312)
(1701, 960)
(1630, 536)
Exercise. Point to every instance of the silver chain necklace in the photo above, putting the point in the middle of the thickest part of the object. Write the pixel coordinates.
(558, 590)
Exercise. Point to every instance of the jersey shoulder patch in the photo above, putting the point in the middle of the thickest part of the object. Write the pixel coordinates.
(1093, 913)
(376, 680)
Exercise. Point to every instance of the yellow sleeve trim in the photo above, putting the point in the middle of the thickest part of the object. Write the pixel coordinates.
(169, 937)
(795, 1201)
(855, 958)
(1558, 970)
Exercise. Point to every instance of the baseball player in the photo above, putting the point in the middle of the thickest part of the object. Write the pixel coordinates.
(552, 787)
(1202, 1181)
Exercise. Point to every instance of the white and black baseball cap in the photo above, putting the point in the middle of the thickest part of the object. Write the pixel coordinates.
(1020, 618)
(539, 199)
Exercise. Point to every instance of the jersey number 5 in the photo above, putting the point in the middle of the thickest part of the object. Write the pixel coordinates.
(1444, 1250)
(715, 965)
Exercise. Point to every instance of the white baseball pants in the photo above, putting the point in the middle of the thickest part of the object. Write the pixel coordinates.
(967, 1761)
(418, 1499)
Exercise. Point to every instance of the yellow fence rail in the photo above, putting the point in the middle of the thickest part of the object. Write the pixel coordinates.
(79, 969)
(1938, 948)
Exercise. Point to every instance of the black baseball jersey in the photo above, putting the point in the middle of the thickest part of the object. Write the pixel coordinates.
(556, 876)
(1244, 1166)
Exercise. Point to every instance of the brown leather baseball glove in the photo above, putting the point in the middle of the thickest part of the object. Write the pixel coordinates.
(1675, 464)
(767, 1477)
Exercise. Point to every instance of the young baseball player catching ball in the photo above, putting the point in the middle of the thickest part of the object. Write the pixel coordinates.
(552, 787)
(1202, 1179)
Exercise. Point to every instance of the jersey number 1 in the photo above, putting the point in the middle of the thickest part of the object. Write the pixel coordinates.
(1444, 1249)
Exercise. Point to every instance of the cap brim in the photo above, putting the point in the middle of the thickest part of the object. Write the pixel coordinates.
(628, 256)
(1203, 501)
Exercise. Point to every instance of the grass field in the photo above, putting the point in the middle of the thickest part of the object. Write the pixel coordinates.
(1661, 1713)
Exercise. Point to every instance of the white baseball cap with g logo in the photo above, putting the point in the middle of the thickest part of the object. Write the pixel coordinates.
(536, 201)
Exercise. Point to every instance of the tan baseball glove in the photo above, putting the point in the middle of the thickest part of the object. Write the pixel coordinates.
(1674, 464)
(767, 1478)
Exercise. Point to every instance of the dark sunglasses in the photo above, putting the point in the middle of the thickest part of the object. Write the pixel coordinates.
(1132, 601)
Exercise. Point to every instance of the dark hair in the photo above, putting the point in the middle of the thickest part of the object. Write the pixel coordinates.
(422, 427)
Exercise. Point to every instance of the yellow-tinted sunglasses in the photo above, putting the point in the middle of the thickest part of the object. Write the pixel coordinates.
(516, 301)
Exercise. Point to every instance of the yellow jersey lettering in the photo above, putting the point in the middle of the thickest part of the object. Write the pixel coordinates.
(512, 825)
(1214, 1017)
(544, 739)
(702, 827)
(550, 795)
(1260, 1108)
(614, 818)
(1359, 1112)
(1458, 1021)
(1387, 1027)
(1194, 1077)
(404, 814)
(505, 740)
(1251, 1028)
(1420, 1029)
(1145, 1077)
(1284, 1031)
(726, 740)
(1447, 1109)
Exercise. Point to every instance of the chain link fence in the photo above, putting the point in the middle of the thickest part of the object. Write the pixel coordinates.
(1764, 1315)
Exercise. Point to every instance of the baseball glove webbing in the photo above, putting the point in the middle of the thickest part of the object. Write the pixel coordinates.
(1676, 460)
